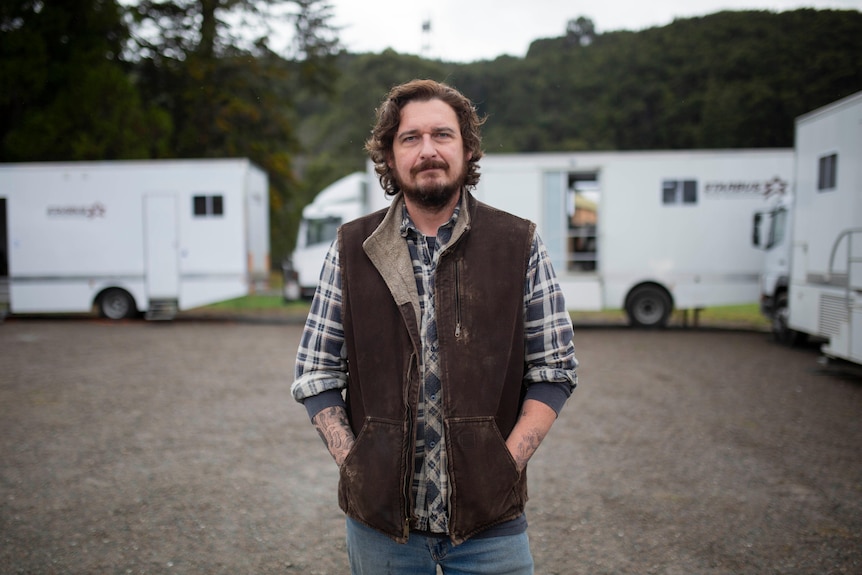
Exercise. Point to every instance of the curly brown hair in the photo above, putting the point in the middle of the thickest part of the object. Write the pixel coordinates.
(379, 145)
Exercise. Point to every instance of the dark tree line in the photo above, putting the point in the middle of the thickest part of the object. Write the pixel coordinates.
(727, 80)
(92, 80)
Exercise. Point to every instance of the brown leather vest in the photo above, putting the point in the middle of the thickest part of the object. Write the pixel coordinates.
(480, 323)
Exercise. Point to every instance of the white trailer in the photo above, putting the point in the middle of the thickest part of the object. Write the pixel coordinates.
(825, 297)
(154, 237)
(346, 199)
(645, 232)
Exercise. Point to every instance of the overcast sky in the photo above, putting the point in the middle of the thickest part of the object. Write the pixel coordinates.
(469, 30)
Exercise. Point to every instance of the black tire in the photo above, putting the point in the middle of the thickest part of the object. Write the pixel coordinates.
(648, 306)
(781, 331)
(116, 304)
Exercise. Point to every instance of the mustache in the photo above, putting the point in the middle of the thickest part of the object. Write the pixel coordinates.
(430, 165)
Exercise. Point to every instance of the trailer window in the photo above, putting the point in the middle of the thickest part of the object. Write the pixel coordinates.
(777, 228)
(203, 206)
(679, 191)
(583, 217)
(321, 231)
(826, 172)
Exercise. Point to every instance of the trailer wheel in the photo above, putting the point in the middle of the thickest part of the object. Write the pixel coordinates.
(648, 306)
(780, 328)
(116, 303)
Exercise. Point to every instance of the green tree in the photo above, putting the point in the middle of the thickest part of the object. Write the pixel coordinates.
(581, 31)
(65, 93)
(227, 90)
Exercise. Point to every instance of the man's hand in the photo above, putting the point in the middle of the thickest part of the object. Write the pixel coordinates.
(533, 425)
(334, 429)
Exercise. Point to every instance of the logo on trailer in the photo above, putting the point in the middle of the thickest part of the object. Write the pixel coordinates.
(774, 187)
(96, 210)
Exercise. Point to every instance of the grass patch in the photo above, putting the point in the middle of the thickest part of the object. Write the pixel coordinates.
(746, 316)
(602, 316)
(250, 302)
(258, 302)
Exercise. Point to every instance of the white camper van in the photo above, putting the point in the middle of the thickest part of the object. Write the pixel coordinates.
(825, 297)
(771, 233)
(346, 199)
(130, 237)
(645, 232)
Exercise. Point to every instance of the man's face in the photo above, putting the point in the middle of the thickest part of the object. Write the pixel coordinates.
(428, 157)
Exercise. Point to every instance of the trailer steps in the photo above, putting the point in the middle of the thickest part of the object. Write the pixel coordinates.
(162, 310)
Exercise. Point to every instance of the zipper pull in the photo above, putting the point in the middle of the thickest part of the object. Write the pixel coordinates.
(457, 299)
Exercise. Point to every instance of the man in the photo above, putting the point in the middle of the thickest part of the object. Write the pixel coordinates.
(442, 319)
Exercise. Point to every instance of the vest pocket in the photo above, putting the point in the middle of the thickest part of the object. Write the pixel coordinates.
(486, 485)
(371, 484)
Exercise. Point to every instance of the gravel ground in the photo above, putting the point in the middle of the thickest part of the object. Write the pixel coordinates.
(135, 447)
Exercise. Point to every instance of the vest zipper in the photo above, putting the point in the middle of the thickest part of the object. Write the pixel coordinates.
(411, 439)
(457, 299)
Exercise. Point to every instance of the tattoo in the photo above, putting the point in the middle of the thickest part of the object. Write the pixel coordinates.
(526, 447)
(334, 429)
(533, 425)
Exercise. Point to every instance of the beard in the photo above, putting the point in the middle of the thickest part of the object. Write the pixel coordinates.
(436, 195)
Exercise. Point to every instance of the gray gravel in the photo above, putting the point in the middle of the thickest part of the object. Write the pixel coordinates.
(175, 448)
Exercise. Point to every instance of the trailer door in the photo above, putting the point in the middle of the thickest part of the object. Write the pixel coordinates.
(161, 247)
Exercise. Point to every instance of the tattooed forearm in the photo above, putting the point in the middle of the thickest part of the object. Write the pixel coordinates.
(533, 425)
(334, 429)
(526, 446)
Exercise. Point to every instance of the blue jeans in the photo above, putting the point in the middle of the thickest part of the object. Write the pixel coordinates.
(372, 553)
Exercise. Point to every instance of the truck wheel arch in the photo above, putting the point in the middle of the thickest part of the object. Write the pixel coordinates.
(648, 305)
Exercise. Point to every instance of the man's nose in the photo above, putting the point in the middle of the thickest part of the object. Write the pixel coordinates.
(429, 150)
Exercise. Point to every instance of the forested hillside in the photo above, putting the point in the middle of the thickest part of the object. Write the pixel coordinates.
(727, 80)
(106, 80)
